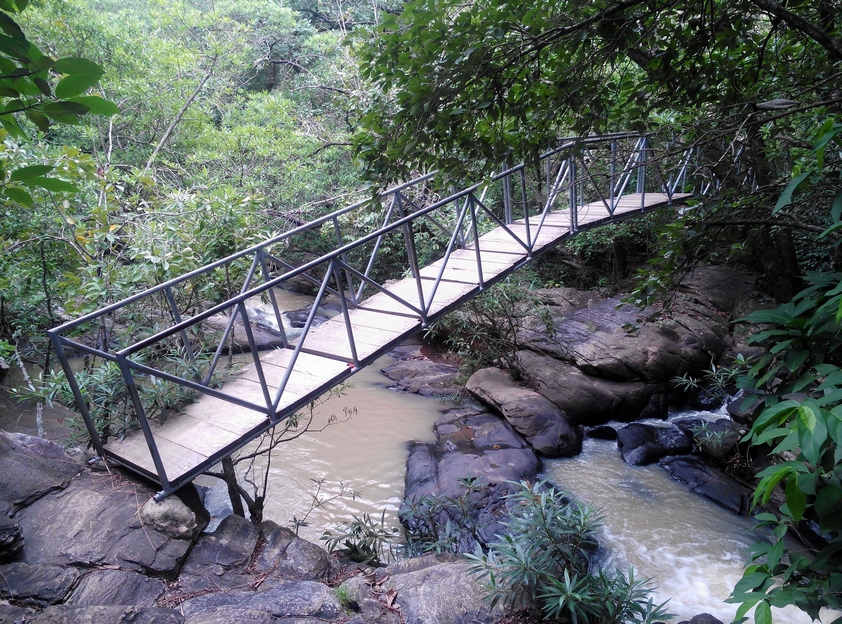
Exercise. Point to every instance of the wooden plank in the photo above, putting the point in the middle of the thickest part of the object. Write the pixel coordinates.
(225, 415)
(320, 367)
(177, 459)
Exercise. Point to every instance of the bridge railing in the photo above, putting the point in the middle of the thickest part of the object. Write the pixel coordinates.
(392, 235)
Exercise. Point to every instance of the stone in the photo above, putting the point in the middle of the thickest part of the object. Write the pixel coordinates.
(298, 318)
(487, 467)
(443, 593)
(29, 468)
(95, 522)
(424, 377)
(585, 399)
(11, 539)
(710, 482)
(171, 517)
(601, 432)
(473, 428)
(288, 556)
(264, 337)
(544, 425)
(228, 549)
(36, 584)
(16, 615)
(642, 444)
(287, 599)
(108, 615)
(117, 587)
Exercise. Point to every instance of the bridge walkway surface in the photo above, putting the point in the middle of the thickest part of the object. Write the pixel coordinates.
(281, 381)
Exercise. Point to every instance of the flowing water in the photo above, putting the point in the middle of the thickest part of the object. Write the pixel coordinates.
(365, 450)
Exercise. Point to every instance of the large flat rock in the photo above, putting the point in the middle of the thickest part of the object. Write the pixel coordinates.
(29, 468)
(95, 521)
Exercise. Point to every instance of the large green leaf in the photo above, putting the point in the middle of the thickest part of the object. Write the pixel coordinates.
(75, 84)
(78, 66)
(52, 184)
(18, 195)
(33, 171)
(97, 105)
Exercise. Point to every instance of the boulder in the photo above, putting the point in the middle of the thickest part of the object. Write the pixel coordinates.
(264, 337)
(585, 399)
(117, 587)
(172, 518)
(537, 419)
(439, 592)
(10, 614)
(29, 468)
(218, 559)
(710, 482)
(287, 599)
(470, 468)
(423, 376)
(286, 555)
(95, 522)
(36, 584)
(642, 444)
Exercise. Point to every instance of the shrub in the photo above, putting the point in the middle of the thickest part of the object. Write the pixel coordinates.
(544, 562)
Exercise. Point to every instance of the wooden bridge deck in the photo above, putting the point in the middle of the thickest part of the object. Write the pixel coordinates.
(211, 428)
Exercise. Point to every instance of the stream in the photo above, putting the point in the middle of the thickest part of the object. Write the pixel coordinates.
(692, 550)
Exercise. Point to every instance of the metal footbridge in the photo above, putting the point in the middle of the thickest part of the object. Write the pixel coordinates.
(479, 235)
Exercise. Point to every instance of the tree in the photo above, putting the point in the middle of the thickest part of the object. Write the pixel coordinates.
(491, 80)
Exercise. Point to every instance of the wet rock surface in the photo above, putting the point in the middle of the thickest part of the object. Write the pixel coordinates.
(87, 558)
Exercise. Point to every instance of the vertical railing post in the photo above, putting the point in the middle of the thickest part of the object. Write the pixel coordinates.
(183, 333)
(81, 403)
(412, 256)
(261, 255)
(641, 172)
(343, 303)
(574, 199)
(612, 179)
(340, 243)
(140, 412)
(508, 213)
(475, 233)
(241, 310)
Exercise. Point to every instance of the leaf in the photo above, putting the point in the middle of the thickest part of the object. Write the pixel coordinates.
(10, 27)
(97, 105)
(73, 66)
(41, 121)
(836, 209)
(33, 171)
(796, 500)
(75, 84)
(63, 108)
(53, 184)
(18, 195)
(786, 197)
(763, 613)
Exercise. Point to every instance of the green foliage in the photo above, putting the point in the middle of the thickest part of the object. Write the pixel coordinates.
(543, 560)
(482, 82)
(801, 376)
(484, 331)
(364, 539)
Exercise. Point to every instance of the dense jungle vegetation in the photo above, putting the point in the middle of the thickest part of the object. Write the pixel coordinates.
(143, 139)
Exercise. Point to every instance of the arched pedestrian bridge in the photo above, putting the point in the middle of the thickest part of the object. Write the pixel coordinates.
(479, 235)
